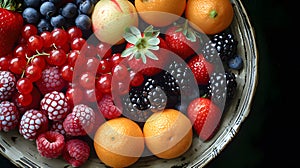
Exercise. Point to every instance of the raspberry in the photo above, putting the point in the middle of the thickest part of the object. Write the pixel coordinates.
(108, 108)
(51, 80)
(32, 124)
(76, 152)
(9, 116)
(50, 144)
(7, 85)
(57, 126)
(80, 121)
(55, 104)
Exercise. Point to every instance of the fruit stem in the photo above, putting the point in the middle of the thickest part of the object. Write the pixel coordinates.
(213, 14)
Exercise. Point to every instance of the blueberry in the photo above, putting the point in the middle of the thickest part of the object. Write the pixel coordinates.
(69, 10)
(32, 3)
(55, 1)
(78, 2)
(44, 25)
(83, 22)
(31, 15)
(86, 7)
(57, 21)
(48, 9)
(235, 62)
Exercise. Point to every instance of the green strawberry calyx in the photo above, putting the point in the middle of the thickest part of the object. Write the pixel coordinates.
(143, 43)
(188, 31)
(12, 5)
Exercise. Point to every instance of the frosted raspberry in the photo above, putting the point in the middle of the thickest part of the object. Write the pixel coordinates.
(76, 152)
(108, 108)
(80, 121)
(7, 85)
(50, 144)
(57, 126)
(51, 80)
(55, 104)
(33, 123)
(9, 116)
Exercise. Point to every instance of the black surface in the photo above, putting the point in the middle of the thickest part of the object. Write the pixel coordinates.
(267, 137)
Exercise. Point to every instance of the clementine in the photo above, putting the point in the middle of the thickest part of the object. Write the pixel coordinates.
(160, 12)
(119, 142)
(168, 134)
(209, 16)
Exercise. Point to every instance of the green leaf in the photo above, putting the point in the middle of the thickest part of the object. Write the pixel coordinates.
(130, 38)
(153, 41)
(153, 47)
(191, 36)
(144, 59)
(136, 31)
(129, 51)
(151, 55)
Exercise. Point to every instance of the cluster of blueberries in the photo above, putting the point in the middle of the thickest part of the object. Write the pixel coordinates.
(50, 14)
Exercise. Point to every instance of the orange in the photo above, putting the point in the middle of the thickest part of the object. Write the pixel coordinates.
(119, 142)
(168, 134)
(209, 16)
(160, 12)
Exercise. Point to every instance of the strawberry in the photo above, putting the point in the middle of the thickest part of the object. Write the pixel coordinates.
(182, 40)
(145, 51)
(11, 23)
(205, 116)
(201, 69)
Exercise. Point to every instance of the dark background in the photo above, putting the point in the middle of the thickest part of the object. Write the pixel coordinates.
(267, 136)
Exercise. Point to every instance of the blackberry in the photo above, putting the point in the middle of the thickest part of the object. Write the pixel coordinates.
(131, 111)
(142, 101)
(222, 87)
(178, 79)
(222, 45)
(179, 84)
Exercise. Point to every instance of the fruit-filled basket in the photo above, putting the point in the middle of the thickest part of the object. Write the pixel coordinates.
(123, 83)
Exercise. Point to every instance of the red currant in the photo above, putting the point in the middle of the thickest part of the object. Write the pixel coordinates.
(17, 65)
(59, 36)
(35, 43)
(57, 57)
(77, 43)
(104, 66)
(47, 39)
(104, 50)
(5, 62)
(22, 51)
(24, 86)
(67, 72)
(87, 80)
(74, 32)
(29, 30)
(39, 61)
(103, 84)
(33, 72)
(24, 99)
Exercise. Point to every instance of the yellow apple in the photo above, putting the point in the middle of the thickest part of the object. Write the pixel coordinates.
(110, 18)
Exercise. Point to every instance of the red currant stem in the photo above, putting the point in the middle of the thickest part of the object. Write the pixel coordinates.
(29, 59)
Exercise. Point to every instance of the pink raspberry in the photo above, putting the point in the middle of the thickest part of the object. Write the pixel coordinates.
(57, 126)
(32, 124)
(107, 107)
(51, 80)
(9, 116)
(80, 121)
(7, 85)
(76, 152)
(50, 144)
(55, 104)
